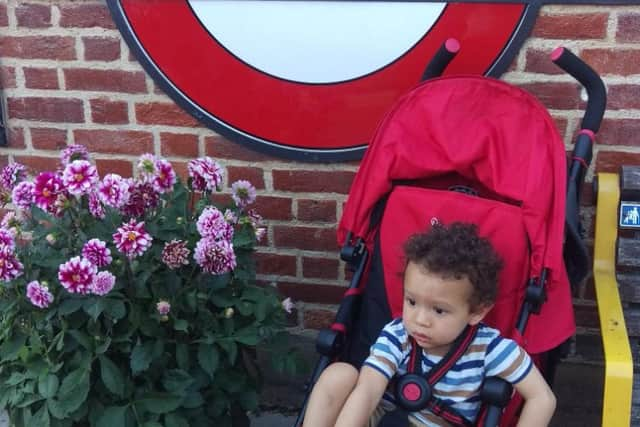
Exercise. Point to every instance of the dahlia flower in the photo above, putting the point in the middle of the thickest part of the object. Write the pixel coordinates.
(175, 254)
(39, 294)
(206, 174)
(96, 251)
(213, 224)
(72, 153)
(10, 267)
(80, 177)
(77, 274)
(113, 190)
(22, 195)
(243, 193)
(131, 239)
(103, 283)
(215, 256)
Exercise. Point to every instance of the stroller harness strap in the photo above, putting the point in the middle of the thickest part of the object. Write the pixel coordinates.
(414, 390)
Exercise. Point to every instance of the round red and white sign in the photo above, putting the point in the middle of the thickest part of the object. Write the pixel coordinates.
(309, 80)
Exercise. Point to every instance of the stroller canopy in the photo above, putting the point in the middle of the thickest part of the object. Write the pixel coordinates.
(492, 133)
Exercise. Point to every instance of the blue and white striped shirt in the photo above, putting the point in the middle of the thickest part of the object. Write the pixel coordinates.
(489, 354)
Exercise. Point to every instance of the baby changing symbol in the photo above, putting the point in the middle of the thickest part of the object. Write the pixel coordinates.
(629, 215)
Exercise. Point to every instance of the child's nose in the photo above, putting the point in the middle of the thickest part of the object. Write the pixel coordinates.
(423, 317)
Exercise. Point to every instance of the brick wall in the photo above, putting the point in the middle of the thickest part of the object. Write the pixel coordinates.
(68, 77)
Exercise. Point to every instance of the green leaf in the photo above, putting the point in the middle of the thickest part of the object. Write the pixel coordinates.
(111, 376)
(94, 307)
(104, 346)
(247, 336)
(81, 338)
(175, 420)
(249, 400)
(152, 424)
(159, 403)
(193, 400)
(69, 306)
(176, 380)
(231, 348)
(74, 389)
(182, 356)
(15, 379)
(9, 350)
(115, 308)
(112, 416)
(141, 357)
(208, 358)
(48, 385)
(181, 325)
(41, 418)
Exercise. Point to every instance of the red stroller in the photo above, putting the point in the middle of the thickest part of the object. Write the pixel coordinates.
(479, 150)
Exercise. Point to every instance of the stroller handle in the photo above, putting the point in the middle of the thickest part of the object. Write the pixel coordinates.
(445, 54)
(591, 81)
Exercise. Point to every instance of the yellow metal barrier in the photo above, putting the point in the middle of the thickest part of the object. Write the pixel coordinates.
(618, 384)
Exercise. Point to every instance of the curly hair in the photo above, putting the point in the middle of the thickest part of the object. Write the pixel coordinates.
(457, 251)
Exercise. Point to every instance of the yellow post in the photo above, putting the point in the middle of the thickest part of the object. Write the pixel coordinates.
(618, 384)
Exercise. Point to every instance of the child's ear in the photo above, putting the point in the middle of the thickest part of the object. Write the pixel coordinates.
(479, 312)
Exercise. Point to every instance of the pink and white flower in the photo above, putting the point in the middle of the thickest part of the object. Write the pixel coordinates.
(103, 283)
(132, 239)
(72, 153)
(11, 175)
(39, 294)
(243, 193)
(206, 174)
(22, 195)
(96, 251)
(175, 254)
(96, 208)
(11, 222)
(114, 190)
(215, 256)
(7, 238)
(10, 267)
(77, 274)
(165, 176)
(288, 305)
(142, 196)
(213, 224)
(163, 307)
(80, 177)
(146, 167)
(46, 189)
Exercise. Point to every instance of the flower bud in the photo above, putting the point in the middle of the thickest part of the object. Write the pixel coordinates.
(228, 313)
(164, 318)
(51, 238)
(179, 220)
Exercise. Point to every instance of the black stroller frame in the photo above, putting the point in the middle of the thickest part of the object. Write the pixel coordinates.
(495, 392)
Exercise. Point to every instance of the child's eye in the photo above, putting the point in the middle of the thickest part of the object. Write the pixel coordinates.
(411, 301)
(439, 310)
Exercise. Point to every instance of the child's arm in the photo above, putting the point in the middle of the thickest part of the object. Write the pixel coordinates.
(363, 399)
(539, 400)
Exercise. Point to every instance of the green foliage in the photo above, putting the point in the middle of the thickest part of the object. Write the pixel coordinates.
(113, 360)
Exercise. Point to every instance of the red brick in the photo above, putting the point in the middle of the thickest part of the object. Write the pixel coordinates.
(612, 61)
(103, 110)
(7, 77)
(219, 147)
(610, 161)
(48, 138)
(623, 97)
(4, 18)
(254, 175)
(123, 168)
(312, 292)
(105, 80)
(271, 263)
(114, 141)
(321, 268)
(539, 62)
(180, 169)
(46, 109)
(41, 78)
(85, 16)
(318, 319)
(561, 125)
(628, 24)
(179, 144)
(277, 208)
(15, 138)
(572, 26)
(37, 164)
(306, 238)
(101, 48)
(313, 181)
(33, 15)
(559, 96)
(317, 210)
(38, 47)
(619, 132)
(164, 113)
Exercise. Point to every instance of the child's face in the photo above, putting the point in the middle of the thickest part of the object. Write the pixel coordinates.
(436, 309)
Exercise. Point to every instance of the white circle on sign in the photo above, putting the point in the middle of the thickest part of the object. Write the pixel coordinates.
(317, 41)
